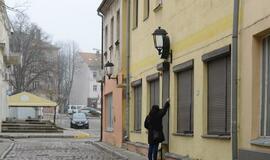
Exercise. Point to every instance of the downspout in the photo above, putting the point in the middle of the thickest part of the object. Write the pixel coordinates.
(234, 59)
(128, 71)
(101, 85)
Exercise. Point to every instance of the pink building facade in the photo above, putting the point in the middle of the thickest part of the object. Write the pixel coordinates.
(113, 109)
(113, 52)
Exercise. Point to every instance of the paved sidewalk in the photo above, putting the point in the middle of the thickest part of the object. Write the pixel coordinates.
(5, 147)
(125, 154)
(68, 133)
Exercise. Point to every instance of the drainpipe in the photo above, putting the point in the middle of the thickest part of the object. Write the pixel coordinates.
(128, 71)
(234, 65)
(101, 85)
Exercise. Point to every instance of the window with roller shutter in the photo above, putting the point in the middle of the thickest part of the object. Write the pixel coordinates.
(154, 92)
(146, 9)
(185, 101)
(219, 91)
(153, 81)
(137, 88)
(265, 87)
(135, 16)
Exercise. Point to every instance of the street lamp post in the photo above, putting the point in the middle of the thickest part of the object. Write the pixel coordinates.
(162, 43)
(109, 66)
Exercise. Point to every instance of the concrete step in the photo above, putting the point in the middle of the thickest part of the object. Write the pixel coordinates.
(27, 125)
(28, 121)
(30, 128)
(32, 131)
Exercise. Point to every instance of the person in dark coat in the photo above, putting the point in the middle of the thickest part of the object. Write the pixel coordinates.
(153, 123)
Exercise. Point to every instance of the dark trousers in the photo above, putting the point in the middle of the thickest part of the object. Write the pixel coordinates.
(152, 151)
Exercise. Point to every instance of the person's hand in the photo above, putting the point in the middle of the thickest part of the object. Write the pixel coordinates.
(168, 102)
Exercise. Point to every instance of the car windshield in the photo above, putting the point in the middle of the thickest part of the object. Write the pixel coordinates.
(79, 116)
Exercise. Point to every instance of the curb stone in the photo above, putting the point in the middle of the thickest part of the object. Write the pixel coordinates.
(7, 151)
(107, 149)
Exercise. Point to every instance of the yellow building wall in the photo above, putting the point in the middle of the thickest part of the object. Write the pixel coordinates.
(194, 28)
(255, 25)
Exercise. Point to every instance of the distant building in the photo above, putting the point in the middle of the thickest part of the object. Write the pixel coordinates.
(85, 90)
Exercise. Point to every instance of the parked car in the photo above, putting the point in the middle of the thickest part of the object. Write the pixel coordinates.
(85, 110)
(74, 108)
(95, 112)
(90, 110)
(79, 120)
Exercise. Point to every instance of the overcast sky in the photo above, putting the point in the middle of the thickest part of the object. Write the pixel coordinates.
(65, 19)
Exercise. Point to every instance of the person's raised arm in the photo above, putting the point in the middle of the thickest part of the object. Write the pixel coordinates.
(165, 108)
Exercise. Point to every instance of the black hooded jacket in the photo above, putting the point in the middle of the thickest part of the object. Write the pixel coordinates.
(155, 121)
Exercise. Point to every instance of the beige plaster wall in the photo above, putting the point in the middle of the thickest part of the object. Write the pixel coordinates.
(194, 28)
(255, 25)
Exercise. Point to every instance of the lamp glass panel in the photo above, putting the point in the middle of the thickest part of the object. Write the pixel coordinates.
(110, 70)
(159, 41)
(155, 42)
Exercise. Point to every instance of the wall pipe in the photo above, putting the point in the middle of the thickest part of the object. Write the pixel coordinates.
(234, 66)
(128, 70)
(101, 86)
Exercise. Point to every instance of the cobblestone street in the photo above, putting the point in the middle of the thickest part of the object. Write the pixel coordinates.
(61, 148)
(94, 125)
(57, 149)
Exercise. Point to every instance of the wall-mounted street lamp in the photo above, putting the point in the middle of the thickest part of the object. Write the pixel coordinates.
(162, 43)
(109, 71)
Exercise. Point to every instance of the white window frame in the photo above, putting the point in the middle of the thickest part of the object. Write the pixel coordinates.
(94, 74)
(94, 88)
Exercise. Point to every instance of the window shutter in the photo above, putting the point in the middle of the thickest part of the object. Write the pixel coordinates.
(268, 89)
(137, 107)
(154, 93)
(263, 86)
(185, 99)
(228, 97)
(217, 96)
(135, 14)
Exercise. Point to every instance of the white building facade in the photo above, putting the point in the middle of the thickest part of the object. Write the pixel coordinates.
(95, 90)
(85, 89)
(4, 62)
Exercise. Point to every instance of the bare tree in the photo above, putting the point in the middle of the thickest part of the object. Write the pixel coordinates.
(67, 66)
(31, 43)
